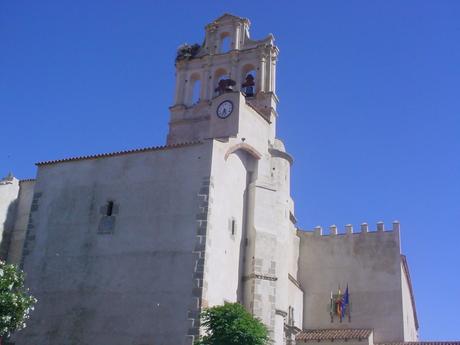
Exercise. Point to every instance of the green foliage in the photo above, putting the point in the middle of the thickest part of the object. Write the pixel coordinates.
(231, 324)
(15, 302)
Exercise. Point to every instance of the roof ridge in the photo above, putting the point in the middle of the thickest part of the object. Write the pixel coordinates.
(333, 333)
(119, 153)
(424, 342)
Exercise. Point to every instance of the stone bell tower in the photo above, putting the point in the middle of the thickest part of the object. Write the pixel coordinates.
(228, 61)
(225, 96)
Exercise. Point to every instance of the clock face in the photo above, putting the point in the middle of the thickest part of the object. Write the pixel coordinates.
(224, 109)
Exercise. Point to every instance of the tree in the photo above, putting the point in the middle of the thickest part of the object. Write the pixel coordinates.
(15, 302)
(231, 324)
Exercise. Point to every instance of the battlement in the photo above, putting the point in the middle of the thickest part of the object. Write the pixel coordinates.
(348, 230)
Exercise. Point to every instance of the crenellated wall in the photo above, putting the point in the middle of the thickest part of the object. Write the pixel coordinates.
(369, 262)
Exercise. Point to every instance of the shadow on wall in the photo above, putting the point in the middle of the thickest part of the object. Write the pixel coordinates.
(8, 227)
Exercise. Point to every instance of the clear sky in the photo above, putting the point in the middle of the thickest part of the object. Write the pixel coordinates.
(369, 107)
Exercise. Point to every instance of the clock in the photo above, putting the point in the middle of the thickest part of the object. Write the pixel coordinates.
(224, 109)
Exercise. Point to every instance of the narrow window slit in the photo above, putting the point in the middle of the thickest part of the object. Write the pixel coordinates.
(109, 208)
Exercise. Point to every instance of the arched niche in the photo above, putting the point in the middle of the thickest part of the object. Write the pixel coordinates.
(248, 155)
(194, 93)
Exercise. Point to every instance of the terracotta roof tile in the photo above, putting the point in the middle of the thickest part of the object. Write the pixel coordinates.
(333, 334)
(118, 153)
(423, 343)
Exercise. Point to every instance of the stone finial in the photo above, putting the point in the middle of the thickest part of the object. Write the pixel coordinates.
(333, 229)
(380, 226)
(318, 230)
(395, 225)
(364, 227)
(8, 177)
(349, 228)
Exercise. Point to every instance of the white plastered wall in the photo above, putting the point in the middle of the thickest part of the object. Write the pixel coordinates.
(18, 236)
(410, 327)
(9, 190)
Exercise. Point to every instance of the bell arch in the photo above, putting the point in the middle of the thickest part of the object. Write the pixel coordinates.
(194, 89)
(249, 76)
(220, 74)
(225, 43)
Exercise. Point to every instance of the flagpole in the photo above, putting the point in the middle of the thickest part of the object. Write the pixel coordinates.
(331, 308)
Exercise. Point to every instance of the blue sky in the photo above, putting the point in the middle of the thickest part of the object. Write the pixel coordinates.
(370, 107)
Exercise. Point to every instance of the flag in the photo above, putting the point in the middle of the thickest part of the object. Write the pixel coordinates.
(338, 304)
(345, 303)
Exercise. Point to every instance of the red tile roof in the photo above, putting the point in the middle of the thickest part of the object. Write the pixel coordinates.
(333, 334)
(424, 343)
(118, 153)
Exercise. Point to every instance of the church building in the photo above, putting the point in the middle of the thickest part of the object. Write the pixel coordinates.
(127, 248)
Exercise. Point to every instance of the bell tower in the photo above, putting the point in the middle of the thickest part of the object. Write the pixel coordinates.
(228, 61)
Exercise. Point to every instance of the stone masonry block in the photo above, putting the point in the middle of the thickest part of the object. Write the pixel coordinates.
(199, 246)
(204, 190)
(193, 314)
(194, 331)
(195, 303)
(201, 230)
(198, 275)
(202, 216)
(189, 339)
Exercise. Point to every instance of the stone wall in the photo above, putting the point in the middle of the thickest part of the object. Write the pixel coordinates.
(113, 248)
